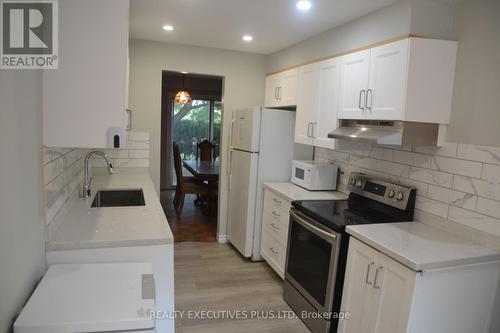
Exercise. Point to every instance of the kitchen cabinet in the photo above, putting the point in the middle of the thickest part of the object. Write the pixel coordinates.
(87, 95)
(281, 89)
(275, 222)
(407, 80)
(307, 104)
(317, 103)
(383, 295)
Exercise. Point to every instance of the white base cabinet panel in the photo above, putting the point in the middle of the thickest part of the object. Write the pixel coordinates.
(161, 256)
(383, 296)
(274, 238)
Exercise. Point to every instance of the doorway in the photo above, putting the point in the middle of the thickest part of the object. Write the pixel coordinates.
(188, 124)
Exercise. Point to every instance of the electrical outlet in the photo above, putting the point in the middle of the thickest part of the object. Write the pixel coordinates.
(492, 187)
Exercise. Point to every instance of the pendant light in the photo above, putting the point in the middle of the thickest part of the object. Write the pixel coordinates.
(183, 96)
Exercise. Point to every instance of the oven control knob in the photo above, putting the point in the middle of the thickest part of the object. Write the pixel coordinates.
(359, 183)
(391, 194)
(353, 181)
(400, 196)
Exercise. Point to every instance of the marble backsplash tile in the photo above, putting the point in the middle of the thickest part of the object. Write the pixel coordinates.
(459, 182)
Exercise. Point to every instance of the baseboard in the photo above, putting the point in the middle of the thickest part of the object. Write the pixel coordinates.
(222, 238)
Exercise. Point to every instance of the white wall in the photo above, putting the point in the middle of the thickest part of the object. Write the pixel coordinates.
(243, 87)
(476, 104)
(22, 255)
(391, 21)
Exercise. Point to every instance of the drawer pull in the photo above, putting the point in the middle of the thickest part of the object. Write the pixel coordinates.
(273, 250)
(279, 202)
(276, 214)
(275, 226)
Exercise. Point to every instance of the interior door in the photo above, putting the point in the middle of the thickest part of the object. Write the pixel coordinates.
(307, 104)
(353, 84)
(358, 293)
(327, 117)
(393, 285)
(387, 82)
(241, 206)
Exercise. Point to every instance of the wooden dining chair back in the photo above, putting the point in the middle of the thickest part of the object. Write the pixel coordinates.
(185, 185)
(205, 151)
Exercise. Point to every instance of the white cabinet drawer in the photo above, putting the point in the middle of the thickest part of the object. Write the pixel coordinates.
(276, 227)
(276, 200)
(273, 251)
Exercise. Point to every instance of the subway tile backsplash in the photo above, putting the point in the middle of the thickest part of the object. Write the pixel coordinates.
(63, 170)
(459, 182)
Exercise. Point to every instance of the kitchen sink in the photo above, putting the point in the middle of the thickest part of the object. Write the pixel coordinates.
(119, 198)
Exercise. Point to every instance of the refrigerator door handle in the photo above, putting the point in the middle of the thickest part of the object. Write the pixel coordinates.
(229, 161)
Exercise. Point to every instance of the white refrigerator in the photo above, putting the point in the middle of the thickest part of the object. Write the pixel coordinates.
(261, 150)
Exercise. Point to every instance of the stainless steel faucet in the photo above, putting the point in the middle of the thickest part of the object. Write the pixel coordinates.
(87, 180)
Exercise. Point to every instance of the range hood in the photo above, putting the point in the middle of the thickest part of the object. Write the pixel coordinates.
(389, 132)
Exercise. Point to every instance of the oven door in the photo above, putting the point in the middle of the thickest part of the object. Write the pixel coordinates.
(311, 261)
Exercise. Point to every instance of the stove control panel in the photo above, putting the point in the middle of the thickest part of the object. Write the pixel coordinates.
(384, 191)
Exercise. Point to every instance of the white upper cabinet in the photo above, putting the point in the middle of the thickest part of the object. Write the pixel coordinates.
(327, 117)
(354, 83)
(387, 81)
(281, 89)
(410, 80)
(317, 105)
(87, 95)
(307, 103)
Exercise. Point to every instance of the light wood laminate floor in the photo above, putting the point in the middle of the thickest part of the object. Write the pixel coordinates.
(214, 277)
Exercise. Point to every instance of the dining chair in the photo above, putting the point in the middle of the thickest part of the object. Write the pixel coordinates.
(205, 151)
(185, 185)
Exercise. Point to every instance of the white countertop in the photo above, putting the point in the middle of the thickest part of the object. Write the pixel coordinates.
(293, 192)
(84, 227)
(421, 246)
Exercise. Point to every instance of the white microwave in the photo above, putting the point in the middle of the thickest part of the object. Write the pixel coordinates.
(314, 176)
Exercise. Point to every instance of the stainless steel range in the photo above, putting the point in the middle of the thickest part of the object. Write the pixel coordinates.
(318, 244)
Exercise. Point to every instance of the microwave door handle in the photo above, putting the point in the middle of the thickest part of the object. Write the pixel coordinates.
(312, 228)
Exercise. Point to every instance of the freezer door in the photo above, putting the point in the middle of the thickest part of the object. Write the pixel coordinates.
(242, 195)
(245, 130)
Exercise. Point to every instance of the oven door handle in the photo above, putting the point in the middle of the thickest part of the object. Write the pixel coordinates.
(312, 228)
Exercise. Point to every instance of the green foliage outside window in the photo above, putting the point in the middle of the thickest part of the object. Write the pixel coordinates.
(191, 125)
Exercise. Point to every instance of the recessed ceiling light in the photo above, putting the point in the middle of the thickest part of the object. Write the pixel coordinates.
(247, 38)
(304, 5)
(168, 27)
(184, 72)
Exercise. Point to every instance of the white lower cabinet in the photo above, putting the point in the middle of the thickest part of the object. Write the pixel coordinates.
(275, 222)
(382, 295)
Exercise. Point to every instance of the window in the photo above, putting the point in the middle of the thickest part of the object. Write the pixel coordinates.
(194, 122)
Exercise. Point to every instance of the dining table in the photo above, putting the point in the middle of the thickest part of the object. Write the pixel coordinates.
(207, 171)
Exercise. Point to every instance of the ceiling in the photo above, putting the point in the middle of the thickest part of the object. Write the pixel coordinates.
(274, 24)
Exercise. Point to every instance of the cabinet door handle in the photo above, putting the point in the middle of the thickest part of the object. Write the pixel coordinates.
(273, 250)
(362, 94)
(129, 125)
(368, 272)
(376, 277)
(275, 227)
(279, 93)
(279, 202)
(308, 129)
(313, 125)
(369, 96)
(276, 93)
(276, 214)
